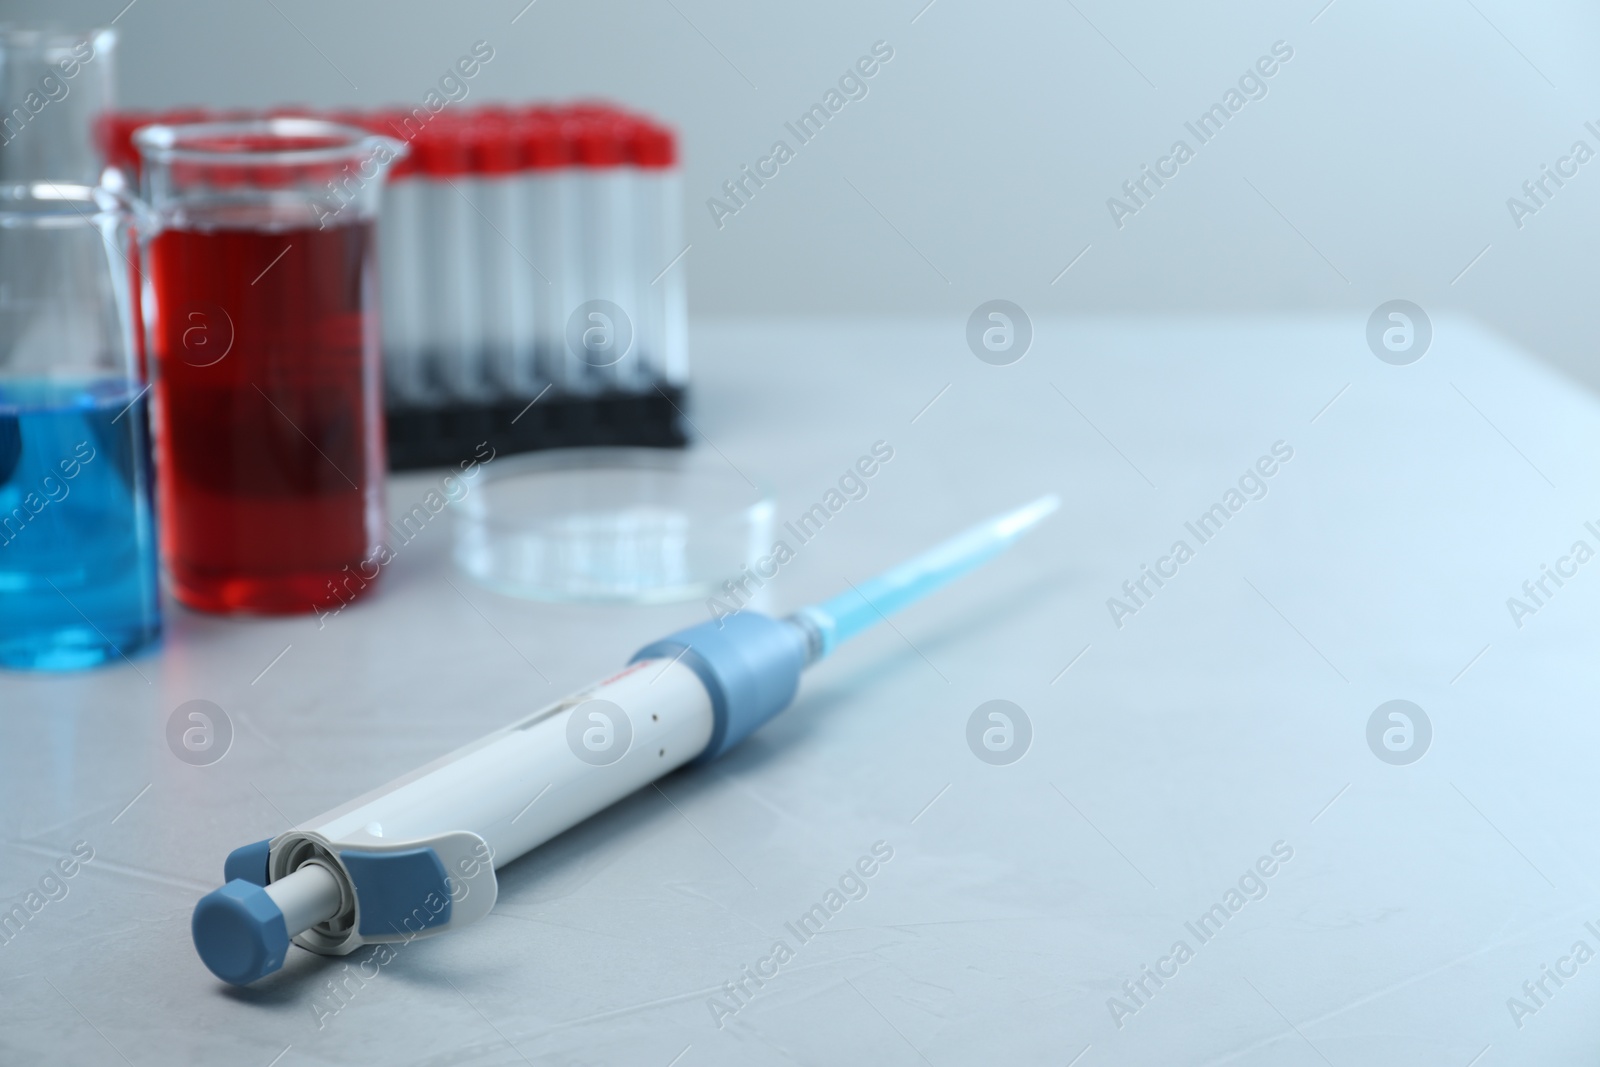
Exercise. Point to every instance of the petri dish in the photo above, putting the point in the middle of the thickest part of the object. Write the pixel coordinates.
(611, 525)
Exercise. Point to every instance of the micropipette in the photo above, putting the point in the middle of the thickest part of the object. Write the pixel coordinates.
(416, 857)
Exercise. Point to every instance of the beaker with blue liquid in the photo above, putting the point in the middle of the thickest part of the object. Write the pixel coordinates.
(78, 577)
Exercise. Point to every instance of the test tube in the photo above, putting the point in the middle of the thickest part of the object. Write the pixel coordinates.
(400, 274)
(547, 236)
(453, 331)
(659, 275)
(508, 277)
(601, 324)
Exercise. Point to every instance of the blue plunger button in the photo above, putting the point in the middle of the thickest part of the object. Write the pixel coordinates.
(239, 932)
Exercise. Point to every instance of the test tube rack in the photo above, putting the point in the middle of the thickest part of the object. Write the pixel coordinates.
(532, 283)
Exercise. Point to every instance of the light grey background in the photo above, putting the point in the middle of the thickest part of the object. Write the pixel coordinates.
(981, 159)
(1167, 755)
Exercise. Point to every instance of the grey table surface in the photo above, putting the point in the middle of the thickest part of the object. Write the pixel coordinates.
(1227, 717)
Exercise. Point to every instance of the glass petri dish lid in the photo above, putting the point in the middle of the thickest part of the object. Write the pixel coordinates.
(611, 525)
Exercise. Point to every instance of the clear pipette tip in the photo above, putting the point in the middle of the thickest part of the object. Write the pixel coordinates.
(844, 616)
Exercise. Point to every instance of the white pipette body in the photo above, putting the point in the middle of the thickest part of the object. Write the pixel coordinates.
(417, 856)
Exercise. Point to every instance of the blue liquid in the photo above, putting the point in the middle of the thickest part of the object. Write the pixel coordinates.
(78, 580)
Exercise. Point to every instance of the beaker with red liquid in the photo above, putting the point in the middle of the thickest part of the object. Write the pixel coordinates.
(261, 313)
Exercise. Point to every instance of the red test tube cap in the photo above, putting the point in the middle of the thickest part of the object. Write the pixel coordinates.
(652, 146)
(182, 116)
(492, 143)
(597, 141)
(402, 126)
(442, 150)
(541, 144)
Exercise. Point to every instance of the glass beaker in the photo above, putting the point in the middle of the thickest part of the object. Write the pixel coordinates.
(261, 313)
(77, 540)
(56, 90)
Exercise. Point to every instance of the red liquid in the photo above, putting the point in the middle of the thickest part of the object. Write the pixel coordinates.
(271, 454)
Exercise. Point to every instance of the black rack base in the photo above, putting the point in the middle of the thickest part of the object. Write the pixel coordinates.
(444, 436)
